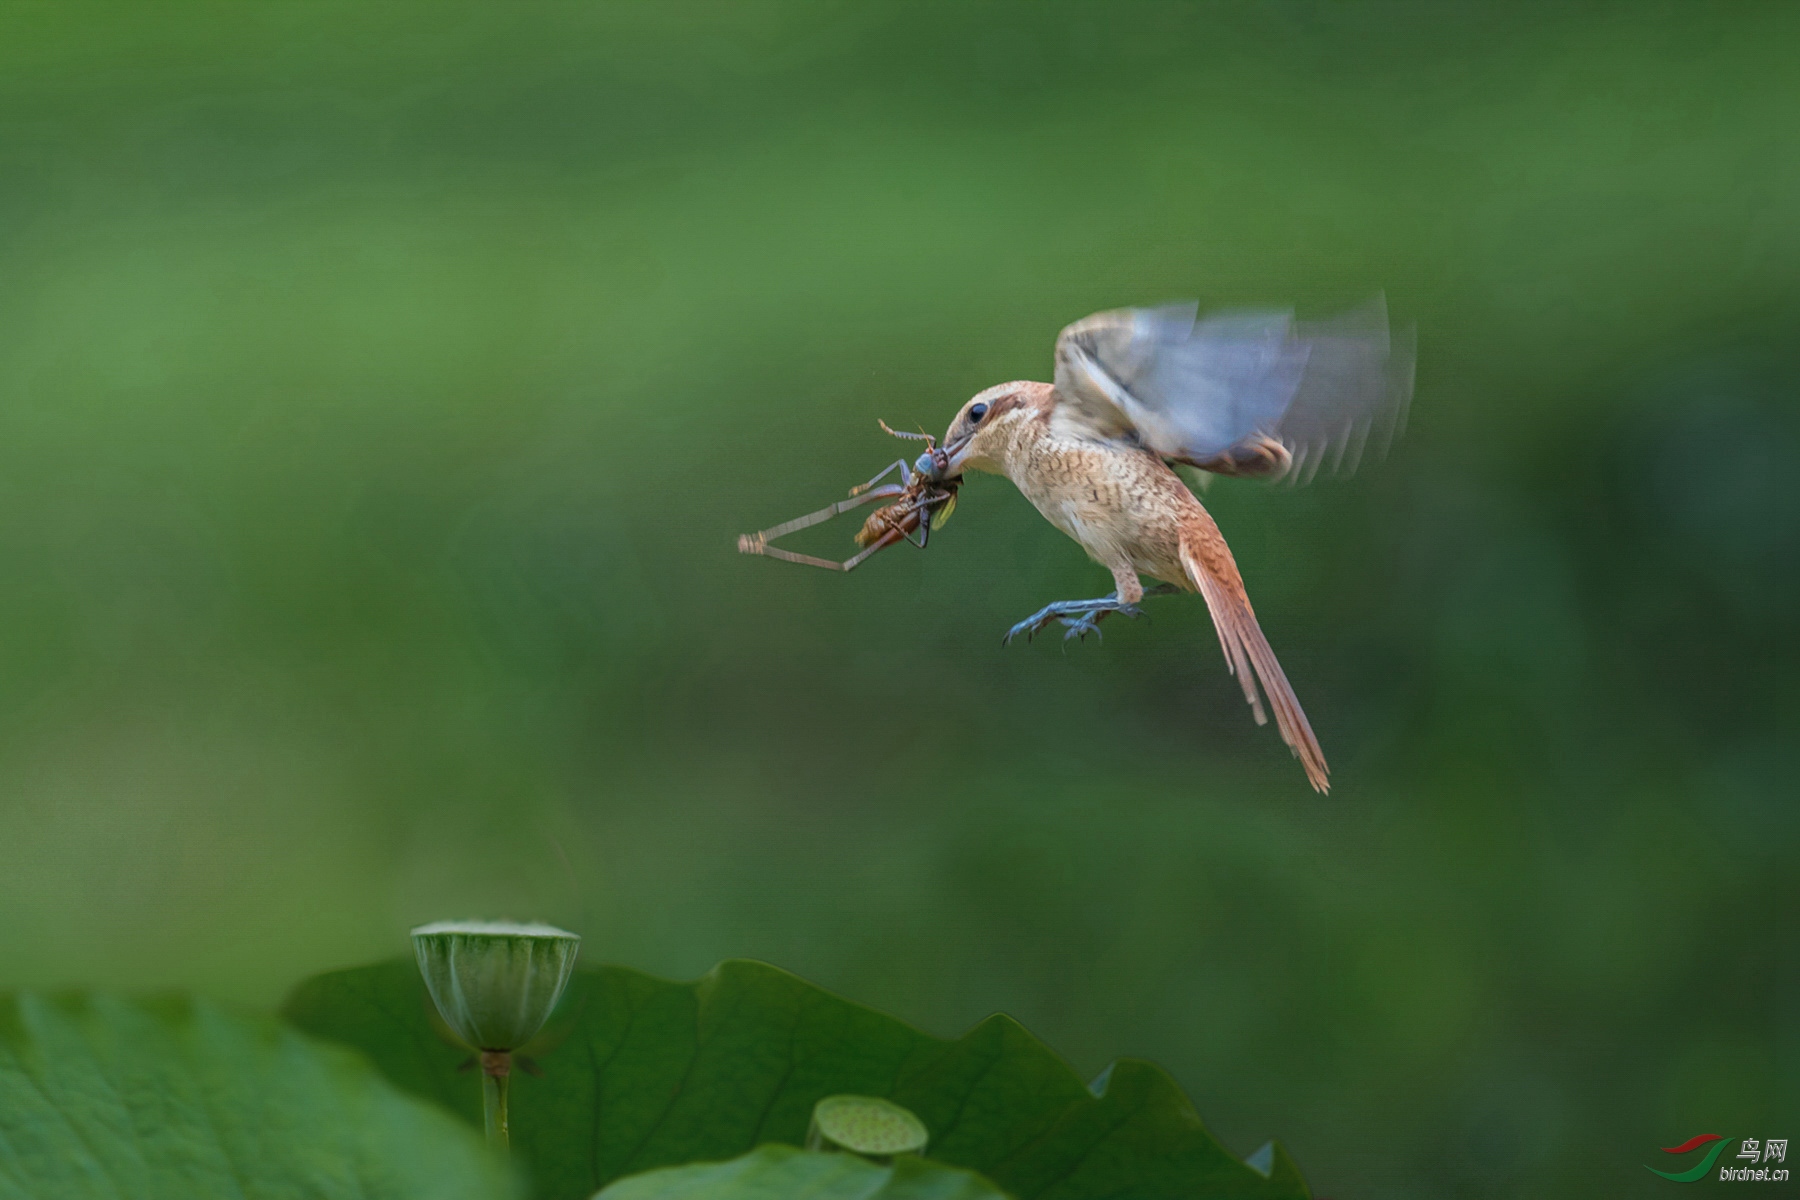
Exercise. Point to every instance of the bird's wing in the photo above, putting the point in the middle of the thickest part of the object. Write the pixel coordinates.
(1354, 393)
(1194, 389)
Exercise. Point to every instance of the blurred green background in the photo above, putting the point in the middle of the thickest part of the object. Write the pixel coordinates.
(382, 389)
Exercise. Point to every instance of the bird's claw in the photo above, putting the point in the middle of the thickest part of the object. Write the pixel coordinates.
(1080, 617)
(1029, 627)
(1034, 624)
(1080, 627)
(1089, 622)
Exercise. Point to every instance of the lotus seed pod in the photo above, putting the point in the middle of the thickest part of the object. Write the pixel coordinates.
(494, 982)
(867, 1125)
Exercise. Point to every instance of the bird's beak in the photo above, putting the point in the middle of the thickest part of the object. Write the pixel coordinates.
(958, 451)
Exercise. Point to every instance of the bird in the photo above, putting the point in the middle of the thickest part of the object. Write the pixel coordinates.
(1251, 393)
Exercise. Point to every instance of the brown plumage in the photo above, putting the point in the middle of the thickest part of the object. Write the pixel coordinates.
(1140, 386)
(1134, 516)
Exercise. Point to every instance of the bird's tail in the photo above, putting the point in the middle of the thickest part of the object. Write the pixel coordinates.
(1209, 564)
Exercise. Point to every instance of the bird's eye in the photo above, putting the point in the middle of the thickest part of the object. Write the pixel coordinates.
(976, 413)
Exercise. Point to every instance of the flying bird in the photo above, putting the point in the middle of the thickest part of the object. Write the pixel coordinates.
(1248, 393)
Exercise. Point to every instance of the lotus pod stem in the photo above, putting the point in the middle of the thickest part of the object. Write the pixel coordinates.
(496, 1074)
(495, 984)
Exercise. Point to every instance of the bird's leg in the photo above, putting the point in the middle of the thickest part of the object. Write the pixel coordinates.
(1083, 617)
(1082, 624)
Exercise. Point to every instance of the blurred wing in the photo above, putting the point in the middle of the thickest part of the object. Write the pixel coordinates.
(1190, 389)
(1356, 388)
(1193, 389)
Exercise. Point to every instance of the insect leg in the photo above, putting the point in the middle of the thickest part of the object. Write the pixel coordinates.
(901, 433)
(926, 509)
(905, 477)
(850, 564)
(758, 543)
(826, 513)
(882, 543)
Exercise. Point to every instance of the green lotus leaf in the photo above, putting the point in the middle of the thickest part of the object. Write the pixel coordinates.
(784, 1173)
(104, 1097)
(640, 1073)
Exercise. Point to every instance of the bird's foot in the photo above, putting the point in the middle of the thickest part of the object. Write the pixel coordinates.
(1081, 617)
(1089, 622)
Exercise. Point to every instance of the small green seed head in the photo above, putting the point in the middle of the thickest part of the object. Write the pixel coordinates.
(867, 1125)
(494, 982)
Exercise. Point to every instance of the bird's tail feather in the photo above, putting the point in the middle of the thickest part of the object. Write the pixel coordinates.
(1247, 652)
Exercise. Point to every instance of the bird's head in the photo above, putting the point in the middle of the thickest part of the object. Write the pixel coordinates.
(985, 429)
